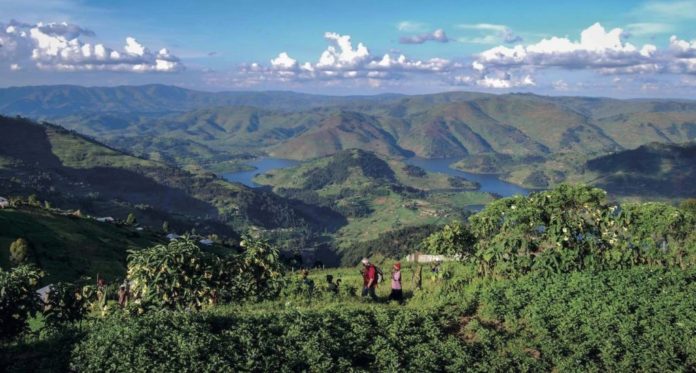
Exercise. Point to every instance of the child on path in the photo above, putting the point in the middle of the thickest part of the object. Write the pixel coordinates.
(396, 291)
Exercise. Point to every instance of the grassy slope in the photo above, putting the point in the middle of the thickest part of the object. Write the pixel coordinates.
(68, 247)
(76, 172)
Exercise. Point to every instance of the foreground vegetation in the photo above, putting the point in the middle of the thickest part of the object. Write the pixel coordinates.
(561, 280)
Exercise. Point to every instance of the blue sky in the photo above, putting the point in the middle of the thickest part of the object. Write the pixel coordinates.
(597, 48)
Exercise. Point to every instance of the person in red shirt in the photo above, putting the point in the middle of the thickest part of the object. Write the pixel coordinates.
(369, 274)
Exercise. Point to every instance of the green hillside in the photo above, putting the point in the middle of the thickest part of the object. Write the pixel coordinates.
(73, 171)
(68, 247)
(655, 170)
(443, 125)
(375, 195)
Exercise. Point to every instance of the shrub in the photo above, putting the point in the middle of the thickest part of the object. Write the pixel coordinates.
(321, 340)
(19, 250)
(640, 319)
(573, 228)
(65, 304)
(178, 275)
(18, 300)
(156, 342)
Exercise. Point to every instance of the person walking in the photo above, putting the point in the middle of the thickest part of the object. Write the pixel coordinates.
(123, 293)
(369, 274)
(330, 285)
(397, 293)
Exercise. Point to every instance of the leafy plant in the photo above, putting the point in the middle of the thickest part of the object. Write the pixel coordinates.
(176, 275)
(261, 270)
(18, 299)
(455, 240)
(19, 251)
(65, 304)
(571, 228)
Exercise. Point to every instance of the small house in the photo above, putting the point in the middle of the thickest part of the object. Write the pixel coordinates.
(4, 203)
(172, 236)
(206, 242)
(426, 258)
(105, 219)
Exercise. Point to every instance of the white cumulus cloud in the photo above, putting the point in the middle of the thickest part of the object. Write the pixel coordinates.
(344, 60)
(60, 47)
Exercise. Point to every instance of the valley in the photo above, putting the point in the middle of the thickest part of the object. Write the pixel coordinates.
(222, 163)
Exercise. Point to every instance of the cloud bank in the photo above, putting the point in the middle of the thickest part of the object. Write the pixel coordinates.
(60, 47)
(342, 60)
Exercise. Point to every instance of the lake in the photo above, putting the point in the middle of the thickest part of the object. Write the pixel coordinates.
(261, 165)
(489, 183)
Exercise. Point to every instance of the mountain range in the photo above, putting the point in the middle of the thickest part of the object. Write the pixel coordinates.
(181, 126)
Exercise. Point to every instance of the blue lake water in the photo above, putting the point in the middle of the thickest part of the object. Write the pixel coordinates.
(489, 183)
(262, 166)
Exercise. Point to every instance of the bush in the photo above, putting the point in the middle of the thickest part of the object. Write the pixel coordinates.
(178, 275)
(65, 304)
(322, 340)
(156, 342)
(19, 250)
(628, 320)
(572, 228)
(18, 300)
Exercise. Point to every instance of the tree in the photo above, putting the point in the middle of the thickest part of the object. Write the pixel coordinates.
(261, 269)
(165, 227)
(19, 250)
(130, 220)
(453, 240)
(33, 200)
(176, 276)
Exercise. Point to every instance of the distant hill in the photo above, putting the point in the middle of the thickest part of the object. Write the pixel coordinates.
(337, 132)
(375, 194)
(655, 170)
(65, 100)
(663, 170)
(163, 122)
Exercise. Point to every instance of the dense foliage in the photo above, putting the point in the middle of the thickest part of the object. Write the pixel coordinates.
(575, 322)
(177, 275)
(18, 300)
(182, 276)
(628, 320)
(331, 339)
(65, 303)
(454, 240)
(572, 228)
(19, 250)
